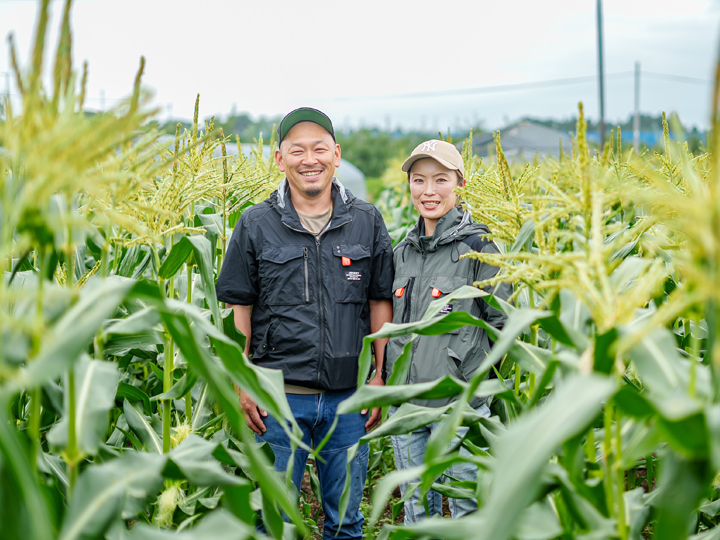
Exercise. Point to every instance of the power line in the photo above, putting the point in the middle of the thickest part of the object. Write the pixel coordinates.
(488, 89)
(676, 78)
(550, 83)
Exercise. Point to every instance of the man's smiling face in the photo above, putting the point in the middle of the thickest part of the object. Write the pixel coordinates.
(308, 155)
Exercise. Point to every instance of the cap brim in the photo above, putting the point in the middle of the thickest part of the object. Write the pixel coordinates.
(412, 159)
(304, 114)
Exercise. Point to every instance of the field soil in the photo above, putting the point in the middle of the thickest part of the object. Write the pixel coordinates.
(385, 518)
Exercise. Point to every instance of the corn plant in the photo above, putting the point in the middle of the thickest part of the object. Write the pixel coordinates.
(610, 345)
(118, 410)
(118, 367)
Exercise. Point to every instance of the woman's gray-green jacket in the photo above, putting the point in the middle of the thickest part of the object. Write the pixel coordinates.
(427, 268)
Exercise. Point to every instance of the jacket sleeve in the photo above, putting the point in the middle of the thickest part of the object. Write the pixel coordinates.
(238, 279)
(383, 271)
(502, 290)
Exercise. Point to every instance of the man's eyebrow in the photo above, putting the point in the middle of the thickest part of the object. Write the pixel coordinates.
(316, 141)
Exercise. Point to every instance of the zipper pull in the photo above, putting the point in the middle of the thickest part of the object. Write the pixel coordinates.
(307, 277)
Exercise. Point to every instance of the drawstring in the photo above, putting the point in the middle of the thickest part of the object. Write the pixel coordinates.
(455, 248)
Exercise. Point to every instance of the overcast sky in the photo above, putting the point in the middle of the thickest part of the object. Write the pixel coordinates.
(350, 58)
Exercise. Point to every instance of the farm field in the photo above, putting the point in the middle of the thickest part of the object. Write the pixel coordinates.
(118, 413)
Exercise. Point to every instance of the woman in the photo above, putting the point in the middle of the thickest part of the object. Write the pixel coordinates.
(428, 266)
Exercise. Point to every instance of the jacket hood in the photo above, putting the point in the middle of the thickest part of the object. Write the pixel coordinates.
(280, 200)
(457, 224)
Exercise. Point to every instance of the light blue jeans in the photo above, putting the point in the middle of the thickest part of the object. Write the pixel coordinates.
(410, 451)
(314, 414)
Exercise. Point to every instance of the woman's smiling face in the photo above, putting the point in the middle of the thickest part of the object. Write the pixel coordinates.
(432, 188)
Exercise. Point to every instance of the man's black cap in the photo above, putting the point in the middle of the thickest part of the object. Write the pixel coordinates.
(304, 114)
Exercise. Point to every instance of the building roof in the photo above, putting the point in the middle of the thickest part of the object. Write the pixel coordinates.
(524, 140)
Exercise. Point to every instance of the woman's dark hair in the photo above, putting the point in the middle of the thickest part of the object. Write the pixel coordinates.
(459, 176)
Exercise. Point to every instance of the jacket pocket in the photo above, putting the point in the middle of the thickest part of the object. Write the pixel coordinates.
(442, 286)
(454, 363)
(401, 299)
(265, 345)
(284, 275)
(351, 273)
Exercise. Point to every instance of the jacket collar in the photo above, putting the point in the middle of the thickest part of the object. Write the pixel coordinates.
(450, 227)
(283, 188)
(341, 196)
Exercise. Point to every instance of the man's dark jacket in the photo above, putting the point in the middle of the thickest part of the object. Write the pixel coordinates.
(309, 294)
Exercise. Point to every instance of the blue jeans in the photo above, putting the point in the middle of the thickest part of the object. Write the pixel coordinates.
(410, 451)
(315, 414)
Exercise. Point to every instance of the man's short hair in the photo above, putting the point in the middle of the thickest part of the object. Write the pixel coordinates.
(304, 114)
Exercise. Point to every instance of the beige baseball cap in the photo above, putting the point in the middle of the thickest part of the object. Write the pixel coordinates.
(443, 152)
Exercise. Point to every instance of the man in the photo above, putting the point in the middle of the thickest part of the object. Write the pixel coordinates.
(308, 273)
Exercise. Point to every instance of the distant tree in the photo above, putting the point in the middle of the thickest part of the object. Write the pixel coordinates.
(168, 127)
(236, 124)
(367, 149)
(697, 142)
(246, 129)
(370, 149)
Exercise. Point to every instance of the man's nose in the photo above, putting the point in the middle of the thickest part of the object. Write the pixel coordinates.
(309, 158)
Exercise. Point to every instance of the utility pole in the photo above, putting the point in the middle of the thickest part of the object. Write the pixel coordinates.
(601, 80)
(636, 119)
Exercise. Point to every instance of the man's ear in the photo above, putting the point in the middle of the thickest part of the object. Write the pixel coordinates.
(279, 160)
(337, 155)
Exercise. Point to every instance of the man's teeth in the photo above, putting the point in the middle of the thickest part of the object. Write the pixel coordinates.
(310, 173)
(432, 204)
